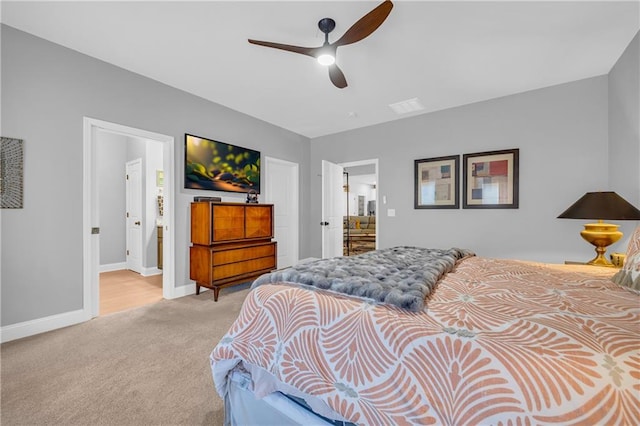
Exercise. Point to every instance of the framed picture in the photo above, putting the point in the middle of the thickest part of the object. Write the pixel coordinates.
(11, 173)
(436, 183)
(490, 180)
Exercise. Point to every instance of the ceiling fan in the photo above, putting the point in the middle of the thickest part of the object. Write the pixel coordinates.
(326, 54)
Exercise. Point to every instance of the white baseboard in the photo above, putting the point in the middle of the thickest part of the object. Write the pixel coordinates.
(147, 272)
(53, 322)
(41, 325)
(186, 290)
(113, 267)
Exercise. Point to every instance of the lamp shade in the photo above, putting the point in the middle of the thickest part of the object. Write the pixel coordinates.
(601, 205)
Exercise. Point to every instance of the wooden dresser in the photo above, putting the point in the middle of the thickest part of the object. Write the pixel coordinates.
(231, 244)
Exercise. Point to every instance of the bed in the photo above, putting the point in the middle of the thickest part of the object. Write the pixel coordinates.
(501, 342)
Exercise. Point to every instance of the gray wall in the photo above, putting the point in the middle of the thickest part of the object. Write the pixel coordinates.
(624, 130)
(46, 91)
(561, 132)
(111, 157)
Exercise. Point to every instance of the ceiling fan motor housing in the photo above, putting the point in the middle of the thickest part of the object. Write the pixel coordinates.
(326, 25)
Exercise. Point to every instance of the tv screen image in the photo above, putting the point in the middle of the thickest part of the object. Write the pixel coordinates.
(219, 166)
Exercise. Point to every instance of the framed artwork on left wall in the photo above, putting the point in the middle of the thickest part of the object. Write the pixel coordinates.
(436, 183)
(11, 173)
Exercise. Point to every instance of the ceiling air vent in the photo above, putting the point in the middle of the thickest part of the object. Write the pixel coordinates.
(405, 107)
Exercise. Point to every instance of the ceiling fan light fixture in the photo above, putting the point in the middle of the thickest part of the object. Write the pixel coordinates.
(326, 59)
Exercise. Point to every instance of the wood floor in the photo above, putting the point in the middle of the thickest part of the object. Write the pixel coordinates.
(122, 290)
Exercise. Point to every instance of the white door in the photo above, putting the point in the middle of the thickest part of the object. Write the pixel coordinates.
(333, 209)
(281, 190)
(134, 215)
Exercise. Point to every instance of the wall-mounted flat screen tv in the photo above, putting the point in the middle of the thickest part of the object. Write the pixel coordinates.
(219, 166)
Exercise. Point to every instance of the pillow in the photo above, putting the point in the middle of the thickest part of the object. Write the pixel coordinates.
(629, 275)
(634, 244)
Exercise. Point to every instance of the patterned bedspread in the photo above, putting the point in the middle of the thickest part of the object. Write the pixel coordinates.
(502, 342)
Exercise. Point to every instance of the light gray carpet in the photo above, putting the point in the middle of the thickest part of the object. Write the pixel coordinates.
(147, 366)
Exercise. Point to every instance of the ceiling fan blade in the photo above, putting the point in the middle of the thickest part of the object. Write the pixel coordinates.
(366, 25)
(309, 51)
(337, 77)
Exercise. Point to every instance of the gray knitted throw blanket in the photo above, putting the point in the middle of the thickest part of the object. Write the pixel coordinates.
(400, 276)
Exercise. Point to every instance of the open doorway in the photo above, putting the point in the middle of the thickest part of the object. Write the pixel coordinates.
(360, 227)
(128, 174)
(128, 212)
(336, 219)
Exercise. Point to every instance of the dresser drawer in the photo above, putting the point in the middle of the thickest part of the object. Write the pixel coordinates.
(245, 267)
(241, 254)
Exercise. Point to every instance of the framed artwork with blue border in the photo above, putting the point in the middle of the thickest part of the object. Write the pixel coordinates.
(491, 180)
(436, 183)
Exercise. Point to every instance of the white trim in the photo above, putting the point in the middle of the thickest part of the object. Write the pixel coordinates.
(187, 290)
(41, 325)
(109, 267)
(295, 171)
(147, 272)
(90, 215)
(365, 163)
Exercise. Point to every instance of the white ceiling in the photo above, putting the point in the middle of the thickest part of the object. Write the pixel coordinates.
(446, 53)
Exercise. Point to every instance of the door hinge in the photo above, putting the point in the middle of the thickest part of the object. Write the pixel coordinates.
(127, 214)
(127, 252)
(127, 177)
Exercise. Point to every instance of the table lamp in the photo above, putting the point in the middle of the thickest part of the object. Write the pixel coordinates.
(601, 206)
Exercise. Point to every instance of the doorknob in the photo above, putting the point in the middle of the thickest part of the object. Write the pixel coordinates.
(136, 222)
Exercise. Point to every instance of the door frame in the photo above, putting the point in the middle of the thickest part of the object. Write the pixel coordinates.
(91, 219)
(295, 179)
(375, 162)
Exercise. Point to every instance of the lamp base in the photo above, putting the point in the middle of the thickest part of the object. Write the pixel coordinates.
(601, 235)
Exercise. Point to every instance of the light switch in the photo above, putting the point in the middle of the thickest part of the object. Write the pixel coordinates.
(391, 212)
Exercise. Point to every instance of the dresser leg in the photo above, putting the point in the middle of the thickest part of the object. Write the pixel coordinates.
(216, 291)
(197, 289)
